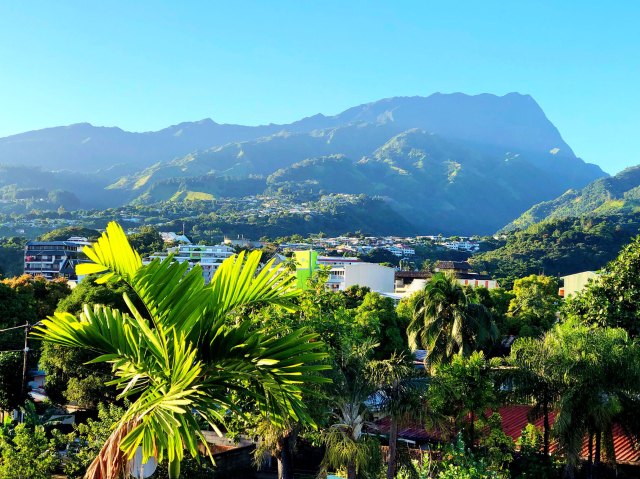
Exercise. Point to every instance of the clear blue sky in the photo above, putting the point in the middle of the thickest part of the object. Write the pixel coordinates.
(145, 65)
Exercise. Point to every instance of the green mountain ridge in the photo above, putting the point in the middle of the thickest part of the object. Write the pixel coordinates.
(580, 230)
(449, 163)
(439, 184)
(619, 194)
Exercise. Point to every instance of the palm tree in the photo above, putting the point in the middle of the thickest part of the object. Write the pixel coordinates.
(600, 370)
(446, 322)
(180, 358)
(278, 442)
(533, 372)
(400, 394)
(345, 444)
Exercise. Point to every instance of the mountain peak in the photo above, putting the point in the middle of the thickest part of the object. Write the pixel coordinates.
(513, 122)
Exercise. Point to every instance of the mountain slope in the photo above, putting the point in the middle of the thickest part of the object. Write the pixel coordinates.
(442, 185)
(559, 247)
(511, 120)
(449, 163)
(619, 194)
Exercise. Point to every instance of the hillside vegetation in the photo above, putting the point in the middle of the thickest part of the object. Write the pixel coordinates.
(619, 194)
(447, 163)
(559, 247)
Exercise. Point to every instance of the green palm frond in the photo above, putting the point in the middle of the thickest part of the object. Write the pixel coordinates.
(182, 357)
(112, 253)
(238, 281)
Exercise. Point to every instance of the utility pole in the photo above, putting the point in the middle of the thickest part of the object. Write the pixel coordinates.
(25, 355)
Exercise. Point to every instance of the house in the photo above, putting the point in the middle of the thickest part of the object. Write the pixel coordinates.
(244, 243)
(514, 418)
(400, 250)
(575, 283)
(169, 237)
(408, 282)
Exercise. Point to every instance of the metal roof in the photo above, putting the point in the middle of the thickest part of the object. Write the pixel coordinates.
(514, 420)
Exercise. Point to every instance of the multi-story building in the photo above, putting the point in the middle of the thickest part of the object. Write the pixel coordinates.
(208, 257)
(574, 283)
(337, 261)
(376, 277)
(409, 282)
(344, 272)
(55, 259)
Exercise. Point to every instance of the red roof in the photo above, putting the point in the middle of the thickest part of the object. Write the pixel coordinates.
(514, 420)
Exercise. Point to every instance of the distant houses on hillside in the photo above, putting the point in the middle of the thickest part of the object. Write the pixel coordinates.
(400, 246)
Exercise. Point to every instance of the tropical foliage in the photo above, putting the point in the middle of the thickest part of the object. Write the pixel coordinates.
(251, 354)
(180, 354)
(446, 321)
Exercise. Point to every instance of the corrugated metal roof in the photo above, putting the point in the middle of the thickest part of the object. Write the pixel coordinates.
(514, 420)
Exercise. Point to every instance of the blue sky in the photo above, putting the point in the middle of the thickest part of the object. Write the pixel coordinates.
(146, 65)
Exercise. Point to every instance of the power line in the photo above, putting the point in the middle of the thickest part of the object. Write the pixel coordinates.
(27, 325)
(14, 327)
(25, 352)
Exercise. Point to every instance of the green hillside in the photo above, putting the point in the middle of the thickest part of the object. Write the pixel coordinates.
(559, 247)
(202, 188)
(619, 194)
(450, 184)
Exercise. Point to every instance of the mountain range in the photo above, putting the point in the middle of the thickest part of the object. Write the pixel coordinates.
(449, 163)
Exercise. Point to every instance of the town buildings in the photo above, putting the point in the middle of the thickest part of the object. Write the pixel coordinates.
(54, 259)
(344, 272)
(376, 277)
(208, 257)
(408, 282)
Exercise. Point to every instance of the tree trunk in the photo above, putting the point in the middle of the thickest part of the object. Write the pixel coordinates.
(393, 448)
(110, 463)
(547, 427)
(590, 459)
(351, 470)
(284, 455)
(596, 462)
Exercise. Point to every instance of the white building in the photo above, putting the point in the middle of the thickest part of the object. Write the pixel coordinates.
(208, 257)
(400, 250)
(337, 261)
(461, 245)
(574, 283)
(372, 275)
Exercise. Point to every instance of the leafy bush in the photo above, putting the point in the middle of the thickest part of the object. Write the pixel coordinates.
(26, 452)
(460, 463)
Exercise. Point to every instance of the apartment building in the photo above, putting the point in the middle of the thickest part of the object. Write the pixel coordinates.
(208, 257)
(376, 277)
(55, 259)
